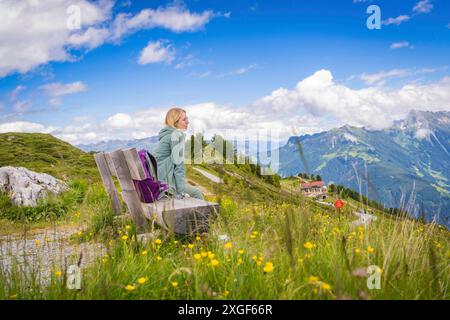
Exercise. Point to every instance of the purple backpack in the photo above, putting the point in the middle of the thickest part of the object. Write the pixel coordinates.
(149, 189)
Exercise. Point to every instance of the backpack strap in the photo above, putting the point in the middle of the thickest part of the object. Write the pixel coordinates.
(153, 165)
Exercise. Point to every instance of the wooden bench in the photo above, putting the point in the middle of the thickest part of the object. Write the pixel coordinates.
(181, 216)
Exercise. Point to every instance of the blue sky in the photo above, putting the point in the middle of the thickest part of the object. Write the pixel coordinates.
(227, 59)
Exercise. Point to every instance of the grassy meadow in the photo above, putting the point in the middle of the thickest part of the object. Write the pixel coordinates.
(268, 242)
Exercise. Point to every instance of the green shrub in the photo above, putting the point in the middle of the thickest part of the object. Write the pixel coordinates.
(47, 209)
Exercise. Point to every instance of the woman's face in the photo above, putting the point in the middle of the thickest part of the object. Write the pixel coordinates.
(183, 123)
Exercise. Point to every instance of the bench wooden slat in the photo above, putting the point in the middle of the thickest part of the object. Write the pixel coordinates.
(108, 182)
(134, 164)
(110, 163)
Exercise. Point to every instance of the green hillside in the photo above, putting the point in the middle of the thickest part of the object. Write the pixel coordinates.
(46, 154)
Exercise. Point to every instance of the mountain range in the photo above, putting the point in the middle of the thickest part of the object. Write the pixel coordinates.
(406, 165)
(112, 145)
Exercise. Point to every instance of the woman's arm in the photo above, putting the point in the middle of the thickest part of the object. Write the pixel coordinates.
(179, 172)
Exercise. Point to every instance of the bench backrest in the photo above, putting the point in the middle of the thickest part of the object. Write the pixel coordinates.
(126, 166)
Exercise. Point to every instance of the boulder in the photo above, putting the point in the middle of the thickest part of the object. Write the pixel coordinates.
(26, 187)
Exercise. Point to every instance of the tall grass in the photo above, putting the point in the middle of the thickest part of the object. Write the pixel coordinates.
(272, 250)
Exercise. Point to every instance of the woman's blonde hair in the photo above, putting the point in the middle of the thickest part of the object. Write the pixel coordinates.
(173, 115)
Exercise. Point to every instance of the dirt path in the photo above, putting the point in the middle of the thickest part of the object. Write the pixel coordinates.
(45, 251)
(208, 175)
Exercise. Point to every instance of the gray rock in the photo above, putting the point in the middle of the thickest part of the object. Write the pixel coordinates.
(26, 187)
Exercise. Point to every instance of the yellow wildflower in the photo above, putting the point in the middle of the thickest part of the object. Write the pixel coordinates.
(204, 254)
(211, 255)
(309, 245)
(214, 262)
(370, 249)
(124, 237)
(158, 241)
(58, 273)
(37, 242)
(174, 284)
(240, 261)
(357, 250)
(142, 280)
(197, 238)
(128, 227)
(144, 253)
(226, 293)
(130, 287)
(228, 245)
(175, 241)
(241, 251)
(190, 245)
(313, 279)
(325, 286)
(268, 267)
(158, 258)
(197, 256)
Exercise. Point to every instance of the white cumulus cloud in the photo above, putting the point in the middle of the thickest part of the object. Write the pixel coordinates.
(24, 126)
(397, 21)
(60, 89)
(373, 78)
(314, 104)
(157, 52)
(56, 90)
(175, 17)
(373, 107)
(33, 33)
(423, 6)
(399, 45)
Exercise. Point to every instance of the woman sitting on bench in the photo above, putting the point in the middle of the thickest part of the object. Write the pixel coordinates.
(169, 154)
